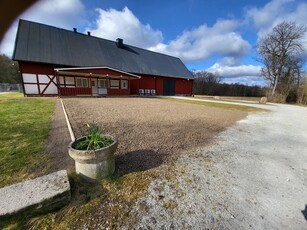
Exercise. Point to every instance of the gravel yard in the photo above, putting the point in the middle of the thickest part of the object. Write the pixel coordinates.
(150, 131)
(253, 177)
(189, 166)
(153, 135)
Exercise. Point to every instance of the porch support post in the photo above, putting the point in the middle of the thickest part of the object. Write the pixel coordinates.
(120, 85)
(138, 92)
(91, 84)
(58, 82)
(129, 86)
(107, 84)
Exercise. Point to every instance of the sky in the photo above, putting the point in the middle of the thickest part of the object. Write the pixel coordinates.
(218, 36)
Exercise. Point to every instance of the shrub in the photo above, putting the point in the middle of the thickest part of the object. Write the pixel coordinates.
(93, 140)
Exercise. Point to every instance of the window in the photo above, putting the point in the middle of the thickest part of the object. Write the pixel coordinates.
(114, 84)
(81, 82)
(124, 84)
(93, 83)
(102, 84)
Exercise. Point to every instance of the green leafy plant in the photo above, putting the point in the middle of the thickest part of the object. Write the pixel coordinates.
(93, 140)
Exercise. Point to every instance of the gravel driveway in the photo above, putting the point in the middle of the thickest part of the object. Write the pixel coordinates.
(150, 131)
(253, 177)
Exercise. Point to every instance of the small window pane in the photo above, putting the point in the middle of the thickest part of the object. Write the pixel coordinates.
(124, 84)
(102, 84)
(78, 82)
(81, 82)
(114, 84)
(84, 82)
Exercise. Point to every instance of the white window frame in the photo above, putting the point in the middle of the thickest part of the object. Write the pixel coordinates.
(99, 83)
(124, 84)
(83, 81)
(114, 84)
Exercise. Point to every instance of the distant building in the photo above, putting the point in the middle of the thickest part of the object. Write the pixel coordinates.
(55, 61)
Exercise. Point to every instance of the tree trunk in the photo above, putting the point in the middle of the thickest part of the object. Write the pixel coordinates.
(274, 87)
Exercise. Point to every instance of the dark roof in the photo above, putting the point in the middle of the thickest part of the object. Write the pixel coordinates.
(36, 42)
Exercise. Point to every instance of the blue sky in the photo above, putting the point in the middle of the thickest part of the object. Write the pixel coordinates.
(219, 36)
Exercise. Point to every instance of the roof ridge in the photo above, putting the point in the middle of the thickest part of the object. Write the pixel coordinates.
(92, 36)
(70, 49)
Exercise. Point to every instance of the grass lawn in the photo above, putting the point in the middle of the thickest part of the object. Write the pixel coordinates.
(218, 105)
(24, 125)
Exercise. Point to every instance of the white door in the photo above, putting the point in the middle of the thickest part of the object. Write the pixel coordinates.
(94, 87)
(102, 86)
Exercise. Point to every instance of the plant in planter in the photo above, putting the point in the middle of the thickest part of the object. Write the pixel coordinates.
(94, 154)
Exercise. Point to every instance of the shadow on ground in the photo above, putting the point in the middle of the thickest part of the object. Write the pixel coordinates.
(305, 212)
(137, 161)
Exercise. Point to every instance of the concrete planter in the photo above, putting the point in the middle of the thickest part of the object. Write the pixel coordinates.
(94, 165)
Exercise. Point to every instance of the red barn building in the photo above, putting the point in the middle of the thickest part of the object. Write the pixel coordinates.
(55, 61)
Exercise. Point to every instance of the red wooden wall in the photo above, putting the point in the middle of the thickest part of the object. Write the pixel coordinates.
(74, 91)
(183, 86)
(119, 91)
(35, 68)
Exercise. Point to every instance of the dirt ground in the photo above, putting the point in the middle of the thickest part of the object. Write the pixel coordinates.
(150, 131)
(58, 140)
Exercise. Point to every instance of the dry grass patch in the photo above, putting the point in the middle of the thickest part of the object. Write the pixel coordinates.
(218, 105)
(95, 206)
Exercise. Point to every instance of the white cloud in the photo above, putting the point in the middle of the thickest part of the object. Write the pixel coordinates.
(266, 16)
(64, 14)
(229, 61)
(203, 42)
(246, 80)
(275, 12)
(8, 42)
(112, 24)
(232, 71)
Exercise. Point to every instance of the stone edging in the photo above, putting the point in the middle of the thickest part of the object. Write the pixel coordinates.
(36, 196)
(72, 136)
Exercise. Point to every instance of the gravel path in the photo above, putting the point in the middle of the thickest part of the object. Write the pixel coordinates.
(253, 177)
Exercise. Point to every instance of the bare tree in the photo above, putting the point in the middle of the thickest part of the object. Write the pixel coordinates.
(279, 52)
(205, 83)
(302, 90)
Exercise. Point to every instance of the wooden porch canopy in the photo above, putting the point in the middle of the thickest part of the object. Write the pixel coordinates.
(110, 73)
(65, 89)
